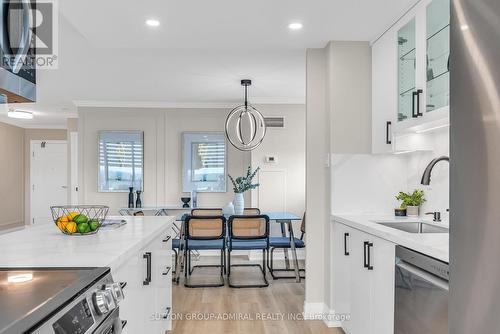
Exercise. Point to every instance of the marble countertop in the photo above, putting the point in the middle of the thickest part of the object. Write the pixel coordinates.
(433, 244)
(46, 246)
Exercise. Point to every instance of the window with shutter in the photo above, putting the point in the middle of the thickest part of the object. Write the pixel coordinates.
(120, 161)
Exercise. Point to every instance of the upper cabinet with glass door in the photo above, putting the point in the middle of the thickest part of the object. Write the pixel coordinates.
(410, 75)
(438, 55)
(407, 61)
(423, 49)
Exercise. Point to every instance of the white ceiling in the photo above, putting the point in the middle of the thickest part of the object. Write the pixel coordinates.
(108, 56)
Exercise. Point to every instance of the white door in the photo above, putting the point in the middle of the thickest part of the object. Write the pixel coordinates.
(48, 178)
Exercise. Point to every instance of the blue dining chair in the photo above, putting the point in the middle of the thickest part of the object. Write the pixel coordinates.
(176, 242)
(176, 245)
(248, 232)
(285, 243)
(204, 233)
(206, 212)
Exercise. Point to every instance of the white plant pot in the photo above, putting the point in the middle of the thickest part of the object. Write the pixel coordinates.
(239, 203)
(412, 211)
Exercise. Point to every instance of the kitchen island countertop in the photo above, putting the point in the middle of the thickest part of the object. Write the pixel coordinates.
(46, 246)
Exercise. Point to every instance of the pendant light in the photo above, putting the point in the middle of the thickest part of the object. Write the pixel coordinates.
(245, 125)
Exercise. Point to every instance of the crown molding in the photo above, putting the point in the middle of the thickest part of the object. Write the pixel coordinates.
(178, 105)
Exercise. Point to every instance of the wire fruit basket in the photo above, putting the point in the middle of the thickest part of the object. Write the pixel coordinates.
(79, 219)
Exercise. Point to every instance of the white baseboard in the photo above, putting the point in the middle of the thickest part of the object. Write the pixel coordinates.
(320, 311)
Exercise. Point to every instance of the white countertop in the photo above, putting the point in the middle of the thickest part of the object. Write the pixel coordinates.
(433, 244)
(45, 245)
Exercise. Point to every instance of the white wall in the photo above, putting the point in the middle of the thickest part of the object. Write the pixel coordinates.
(162, 152)
(338, 122)
(12, 175)
(349, 96)
(317, 179)
(93, 120)
(284, 188)
(185, 120)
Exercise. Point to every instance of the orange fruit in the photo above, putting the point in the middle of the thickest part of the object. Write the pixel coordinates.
(62, 225)
(63, 219)
(71, 227)
(72, 215)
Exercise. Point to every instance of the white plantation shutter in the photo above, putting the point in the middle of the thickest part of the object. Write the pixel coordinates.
(209, 159)
(204, 162)
(124, 154)
(120, 161)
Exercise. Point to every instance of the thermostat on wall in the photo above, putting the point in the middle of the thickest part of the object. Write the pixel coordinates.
(270, 159)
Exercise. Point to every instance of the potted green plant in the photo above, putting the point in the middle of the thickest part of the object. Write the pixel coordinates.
(240, 185)
(411, 201)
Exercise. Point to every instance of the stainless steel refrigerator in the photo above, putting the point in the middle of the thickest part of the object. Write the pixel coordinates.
(475, 167)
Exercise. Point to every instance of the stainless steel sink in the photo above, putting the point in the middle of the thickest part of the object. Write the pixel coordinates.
(415, 227)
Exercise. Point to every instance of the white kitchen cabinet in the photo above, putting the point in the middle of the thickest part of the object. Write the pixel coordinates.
(363, 281)
(360, 286)
(384, 99)
(410, 74)
(341, 260)
(382, 259)
(148, 303)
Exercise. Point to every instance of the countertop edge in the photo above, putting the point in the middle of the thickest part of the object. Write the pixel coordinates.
(397, 237)
(122, 259)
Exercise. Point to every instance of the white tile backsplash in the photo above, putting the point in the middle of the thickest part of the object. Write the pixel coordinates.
(364, 183)
(437, 193)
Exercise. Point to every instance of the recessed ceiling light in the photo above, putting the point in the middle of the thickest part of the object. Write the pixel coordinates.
(295, 26)
(13, 113)
(464, 27)
(153, 23)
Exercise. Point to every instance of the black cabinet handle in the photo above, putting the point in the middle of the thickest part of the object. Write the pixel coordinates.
(346, 252)
(413, 96)
(419, 92)
(124, 323)
(367, 255)
(365, 264)
(388, 140)
(167, 239)
(165, 316)
(147, 256)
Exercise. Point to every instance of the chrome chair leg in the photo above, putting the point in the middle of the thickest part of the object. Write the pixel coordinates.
(272, 270)
(261, 267)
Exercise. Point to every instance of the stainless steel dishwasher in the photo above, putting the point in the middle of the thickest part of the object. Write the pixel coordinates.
(421, 294)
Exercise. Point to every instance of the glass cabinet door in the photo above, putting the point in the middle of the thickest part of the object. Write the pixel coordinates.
(438, 54)
(406, 70)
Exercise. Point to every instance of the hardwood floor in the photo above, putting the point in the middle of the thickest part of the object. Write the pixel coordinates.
(257, 310)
